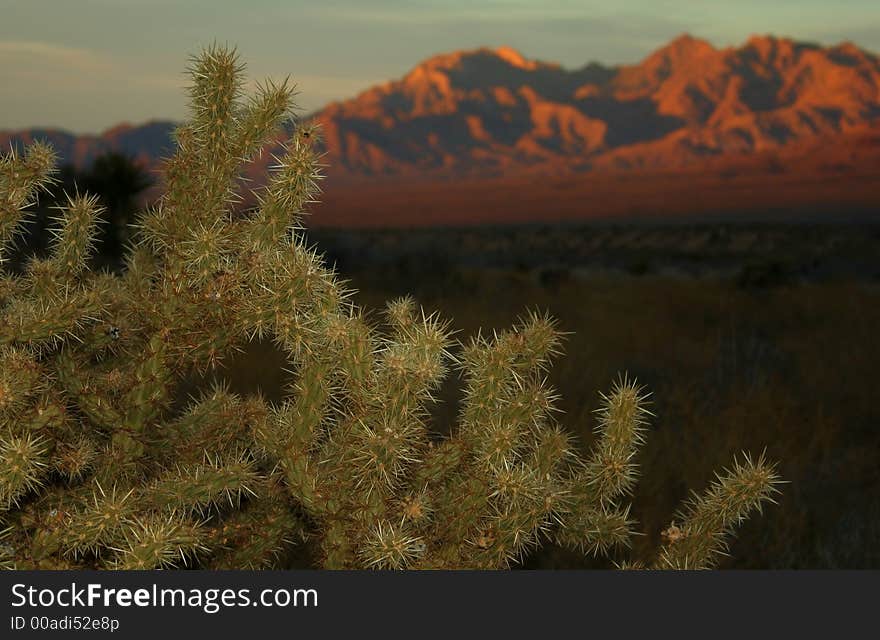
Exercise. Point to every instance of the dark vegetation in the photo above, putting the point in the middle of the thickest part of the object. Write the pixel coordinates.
(117, 181)
(788, 367)
(748, 336)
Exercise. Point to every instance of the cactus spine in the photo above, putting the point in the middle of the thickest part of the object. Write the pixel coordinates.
(97, 468)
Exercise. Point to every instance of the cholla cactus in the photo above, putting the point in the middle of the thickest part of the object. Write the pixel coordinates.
(98, 470)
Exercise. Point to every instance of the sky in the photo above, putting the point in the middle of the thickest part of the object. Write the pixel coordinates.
(86, 65)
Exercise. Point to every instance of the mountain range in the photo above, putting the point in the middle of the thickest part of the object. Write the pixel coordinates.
(493, 111)
(771, 103)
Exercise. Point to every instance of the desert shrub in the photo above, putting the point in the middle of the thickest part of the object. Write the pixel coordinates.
(100, 468)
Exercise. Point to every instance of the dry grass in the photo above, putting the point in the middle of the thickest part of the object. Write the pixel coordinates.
(790, 369)
(733, 365)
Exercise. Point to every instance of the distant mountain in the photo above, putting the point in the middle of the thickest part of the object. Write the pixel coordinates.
(146, 143)
(490, 112)
(493, 110)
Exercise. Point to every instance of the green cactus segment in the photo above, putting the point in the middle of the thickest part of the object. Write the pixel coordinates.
(21, 381)
(75, 236)
(706, 522)
(257, 536)
(293, 184)
(158, 542)
(99, 522)
(103, 466)
(215, 484)
(21, 179)
(610, 473)
(23, 468)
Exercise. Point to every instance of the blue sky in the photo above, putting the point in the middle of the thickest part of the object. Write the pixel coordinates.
(85, 65)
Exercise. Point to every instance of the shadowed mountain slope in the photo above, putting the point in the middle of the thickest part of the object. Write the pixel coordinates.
(493, 112)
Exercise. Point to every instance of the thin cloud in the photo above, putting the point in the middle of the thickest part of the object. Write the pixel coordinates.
(866, 36)
(47, 53)
(432, 15)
